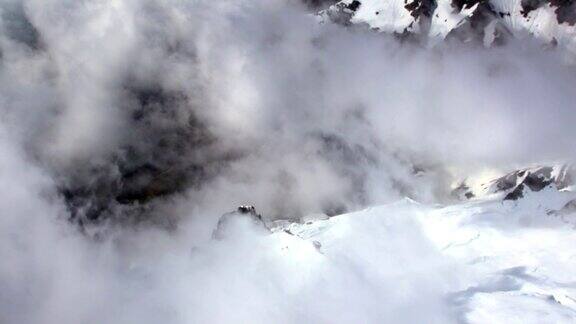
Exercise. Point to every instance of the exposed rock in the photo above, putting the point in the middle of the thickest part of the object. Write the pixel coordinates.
(244, 216)
(462, 192)
(403, 17)
(515, 194)
(487, 22)
(534, 179)
(315, 4)
(167, 151)
(565, 10)
(354, 5)
(530, 5)
(248, 209)
(341, 13)
(513, 185)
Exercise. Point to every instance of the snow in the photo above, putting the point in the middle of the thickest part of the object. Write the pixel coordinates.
(485, 261)
(393, 17)
(541, 23)
(387, 16)
(445, 19)
(291, 117)
(482, 261)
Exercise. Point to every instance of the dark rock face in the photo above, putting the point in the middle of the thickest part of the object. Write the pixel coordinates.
(565, 9)
(421, 8)
(460, 4)
(530, 5)
(485, 18)
(341, 13)
(515, 184)
(248, 209)
(534, 179)
(422, 11)
(170, 156)
(354, 5)
(463, 192)
(474, 27)
(515, 194)
(508, 181)
(539, 179)
(317, 4)
(164, 153)
(243, 216)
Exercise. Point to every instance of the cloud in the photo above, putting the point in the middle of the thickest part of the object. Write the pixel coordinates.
(118, 113)
(133, 100)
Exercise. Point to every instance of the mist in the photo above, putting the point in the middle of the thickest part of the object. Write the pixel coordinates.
(129, 127)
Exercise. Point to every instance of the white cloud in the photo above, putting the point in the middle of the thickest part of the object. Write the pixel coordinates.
(301, 118)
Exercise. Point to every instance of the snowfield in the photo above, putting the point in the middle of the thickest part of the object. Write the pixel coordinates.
(481, 261)
(485, 261)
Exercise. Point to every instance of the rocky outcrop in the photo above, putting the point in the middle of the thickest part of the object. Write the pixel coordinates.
(488, 22)
(463, 192)
(514, 185)
(245, 217)
(167, 151)
(535, 179)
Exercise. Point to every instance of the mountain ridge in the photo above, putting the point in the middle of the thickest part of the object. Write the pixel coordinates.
(490, 22)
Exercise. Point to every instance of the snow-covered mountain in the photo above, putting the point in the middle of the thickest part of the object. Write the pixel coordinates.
(513, 185)
(487, 21)
(492, 259)
(485, 261)
(400, 154)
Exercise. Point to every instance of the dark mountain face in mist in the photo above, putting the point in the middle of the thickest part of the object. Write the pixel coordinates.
(164, 154)
(131, 130)
(18, 27)
(162, 142)
(135, 106)
(316, 4)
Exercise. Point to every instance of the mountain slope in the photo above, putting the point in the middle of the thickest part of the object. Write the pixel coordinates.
(481, 262)
(487, 21)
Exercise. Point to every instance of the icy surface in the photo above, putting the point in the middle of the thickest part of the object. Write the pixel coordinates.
(482, 262)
